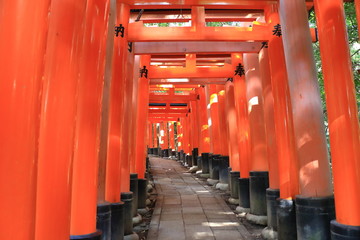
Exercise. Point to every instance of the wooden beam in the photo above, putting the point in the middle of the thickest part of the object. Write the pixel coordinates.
(198, 81)
(139, 33)
(172, 98)
(196, 47)
(171, 111)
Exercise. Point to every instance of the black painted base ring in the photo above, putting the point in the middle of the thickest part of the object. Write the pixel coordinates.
(344, 232)
(92, 236)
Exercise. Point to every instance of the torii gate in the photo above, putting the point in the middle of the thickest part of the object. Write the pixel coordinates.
(44, 110)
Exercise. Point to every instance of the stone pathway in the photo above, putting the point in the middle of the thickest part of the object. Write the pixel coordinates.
(187, 209)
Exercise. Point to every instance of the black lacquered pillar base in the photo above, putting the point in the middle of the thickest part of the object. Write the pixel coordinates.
(103, 220)
(286, 219)
(92, 236)
(134, 184)
(313, 217)
(127, 198)
(205, 163)
(344, 232)
(259, 182)
(117, 221)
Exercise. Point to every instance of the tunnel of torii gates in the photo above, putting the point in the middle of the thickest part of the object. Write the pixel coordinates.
(81, 105)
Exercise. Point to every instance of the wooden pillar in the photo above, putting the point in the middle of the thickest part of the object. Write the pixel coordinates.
(268, 103)
(194, 125)
(287, 157)
(135, 73)
(162, 135)
(141, 124)
(204, 142)
(314, 169)
(180, 130)
(256, 112)
(21, 68)
(113, 173)
(171, 136)
(342, 109)
(127, 130)
(243, 122)
(214, 114)
(87, 132)
(232, 126)
(57, 119)
(224, 150)
(105, 104)
(156, 135)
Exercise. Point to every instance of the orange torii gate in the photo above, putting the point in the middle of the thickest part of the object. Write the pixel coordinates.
(46, 126)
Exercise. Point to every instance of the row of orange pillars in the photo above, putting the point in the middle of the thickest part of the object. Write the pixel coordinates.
(69, 138)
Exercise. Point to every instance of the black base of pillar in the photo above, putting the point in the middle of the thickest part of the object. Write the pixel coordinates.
(313, 216)
(259, 182)
(195, 154)
(189, 160)
(173, 153)
(244, 193)
(271, 205)
(117, 221)
(286, 219)
(205, 162)
(142, 194)
(127, 198)
(92, 236)
(224, 169)
(103, 220)
(214, 166)
(234, 184)
(199, 162)
(134, 185)
(344, 232)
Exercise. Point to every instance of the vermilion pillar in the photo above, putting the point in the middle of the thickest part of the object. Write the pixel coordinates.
(150, 137)
(186, 145)
(232, 126)
(87, 132)
(156, 137)
(268, 103)
(243, 123)
(21, 67)
(256, 112)
(171, 136)
(310, 138)
(224, 150)
(342, 109)
(179, 135)
(162, 135)
(141, 124)
(214, 114)
(204, 141)
(127, 130)
(135, 73)
(194, 125)
(57, 119)
(287, 157)
(112, 193)
(314, 169)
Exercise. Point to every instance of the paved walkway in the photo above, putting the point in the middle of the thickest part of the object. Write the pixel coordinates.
(187, 209)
